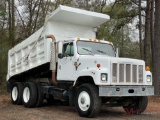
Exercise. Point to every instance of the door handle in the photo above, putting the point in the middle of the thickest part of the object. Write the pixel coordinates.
(59, 67)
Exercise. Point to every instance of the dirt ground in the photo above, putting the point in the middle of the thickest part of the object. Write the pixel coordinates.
(8, 111)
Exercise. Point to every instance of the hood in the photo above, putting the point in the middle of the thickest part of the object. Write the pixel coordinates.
(121, 71)
(103, 59)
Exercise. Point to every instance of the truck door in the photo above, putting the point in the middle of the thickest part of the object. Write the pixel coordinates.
(66, 64)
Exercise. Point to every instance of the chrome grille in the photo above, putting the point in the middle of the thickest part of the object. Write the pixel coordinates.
(121, 72)
(114, 72)
(140, 73)
(134, 73)
(127, 73)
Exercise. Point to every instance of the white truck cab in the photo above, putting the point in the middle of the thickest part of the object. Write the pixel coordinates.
(97, 60)
(64, 60)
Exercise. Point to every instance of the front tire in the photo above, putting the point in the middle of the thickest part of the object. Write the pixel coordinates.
(138, 106)
(87, 100)
(29, 95)
(16, 93)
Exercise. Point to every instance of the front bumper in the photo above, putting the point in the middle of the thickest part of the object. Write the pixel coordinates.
(120, 91)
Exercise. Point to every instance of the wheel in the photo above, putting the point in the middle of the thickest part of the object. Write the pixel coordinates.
(40, 96)
(16, 93)
(29, 95)
(138, 106)
(87, 100)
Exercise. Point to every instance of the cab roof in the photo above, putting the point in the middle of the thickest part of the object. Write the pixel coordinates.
(89, 39)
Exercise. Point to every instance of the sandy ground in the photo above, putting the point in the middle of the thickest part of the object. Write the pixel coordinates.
(8, 111)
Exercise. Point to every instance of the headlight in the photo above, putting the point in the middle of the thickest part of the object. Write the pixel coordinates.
(148, 78)
(104, 76)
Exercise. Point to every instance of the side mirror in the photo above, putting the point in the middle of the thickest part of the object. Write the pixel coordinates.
(60, 55)
(117, 52)
(60, 46)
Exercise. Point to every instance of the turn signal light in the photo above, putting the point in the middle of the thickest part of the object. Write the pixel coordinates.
(147, 68)
(78, 39)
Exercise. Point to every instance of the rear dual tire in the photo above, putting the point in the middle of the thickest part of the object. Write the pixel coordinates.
(32, 95)
(29, 95)
(16, 93)
(40, 96)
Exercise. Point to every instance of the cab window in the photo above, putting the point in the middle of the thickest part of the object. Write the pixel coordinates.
(68, 49)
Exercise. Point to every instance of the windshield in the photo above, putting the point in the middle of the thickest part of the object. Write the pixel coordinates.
(95, 48)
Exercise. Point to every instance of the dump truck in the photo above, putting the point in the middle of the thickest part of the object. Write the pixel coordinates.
(64, 61)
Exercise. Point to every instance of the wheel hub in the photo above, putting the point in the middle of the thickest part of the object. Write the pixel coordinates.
(26, 94)
(84, 101)
(14, 93)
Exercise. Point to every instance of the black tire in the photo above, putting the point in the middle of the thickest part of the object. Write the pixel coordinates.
(16, 93)
(138, 106)
(91, 107)
(29, 95)
(40, 96)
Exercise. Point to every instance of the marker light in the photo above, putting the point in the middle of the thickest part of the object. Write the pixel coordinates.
(98, 65)
(78, 39)
(147, 68)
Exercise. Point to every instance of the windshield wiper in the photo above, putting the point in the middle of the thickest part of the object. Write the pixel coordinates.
(88, 51)
(101, 51)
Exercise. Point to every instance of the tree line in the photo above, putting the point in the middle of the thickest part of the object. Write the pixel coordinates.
(21, 18)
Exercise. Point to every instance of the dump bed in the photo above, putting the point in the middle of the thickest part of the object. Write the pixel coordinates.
(63, 23)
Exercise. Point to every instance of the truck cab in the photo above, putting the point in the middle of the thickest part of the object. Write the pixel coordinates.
(97, 59)
(91, 63)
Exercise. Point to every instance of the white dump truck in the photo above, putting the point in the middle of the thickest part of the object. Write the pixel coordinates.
(63, 60)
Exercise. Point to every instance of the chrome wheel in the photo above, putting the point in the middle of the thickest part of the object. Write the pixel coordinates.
(26, 94)
(15, 93)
